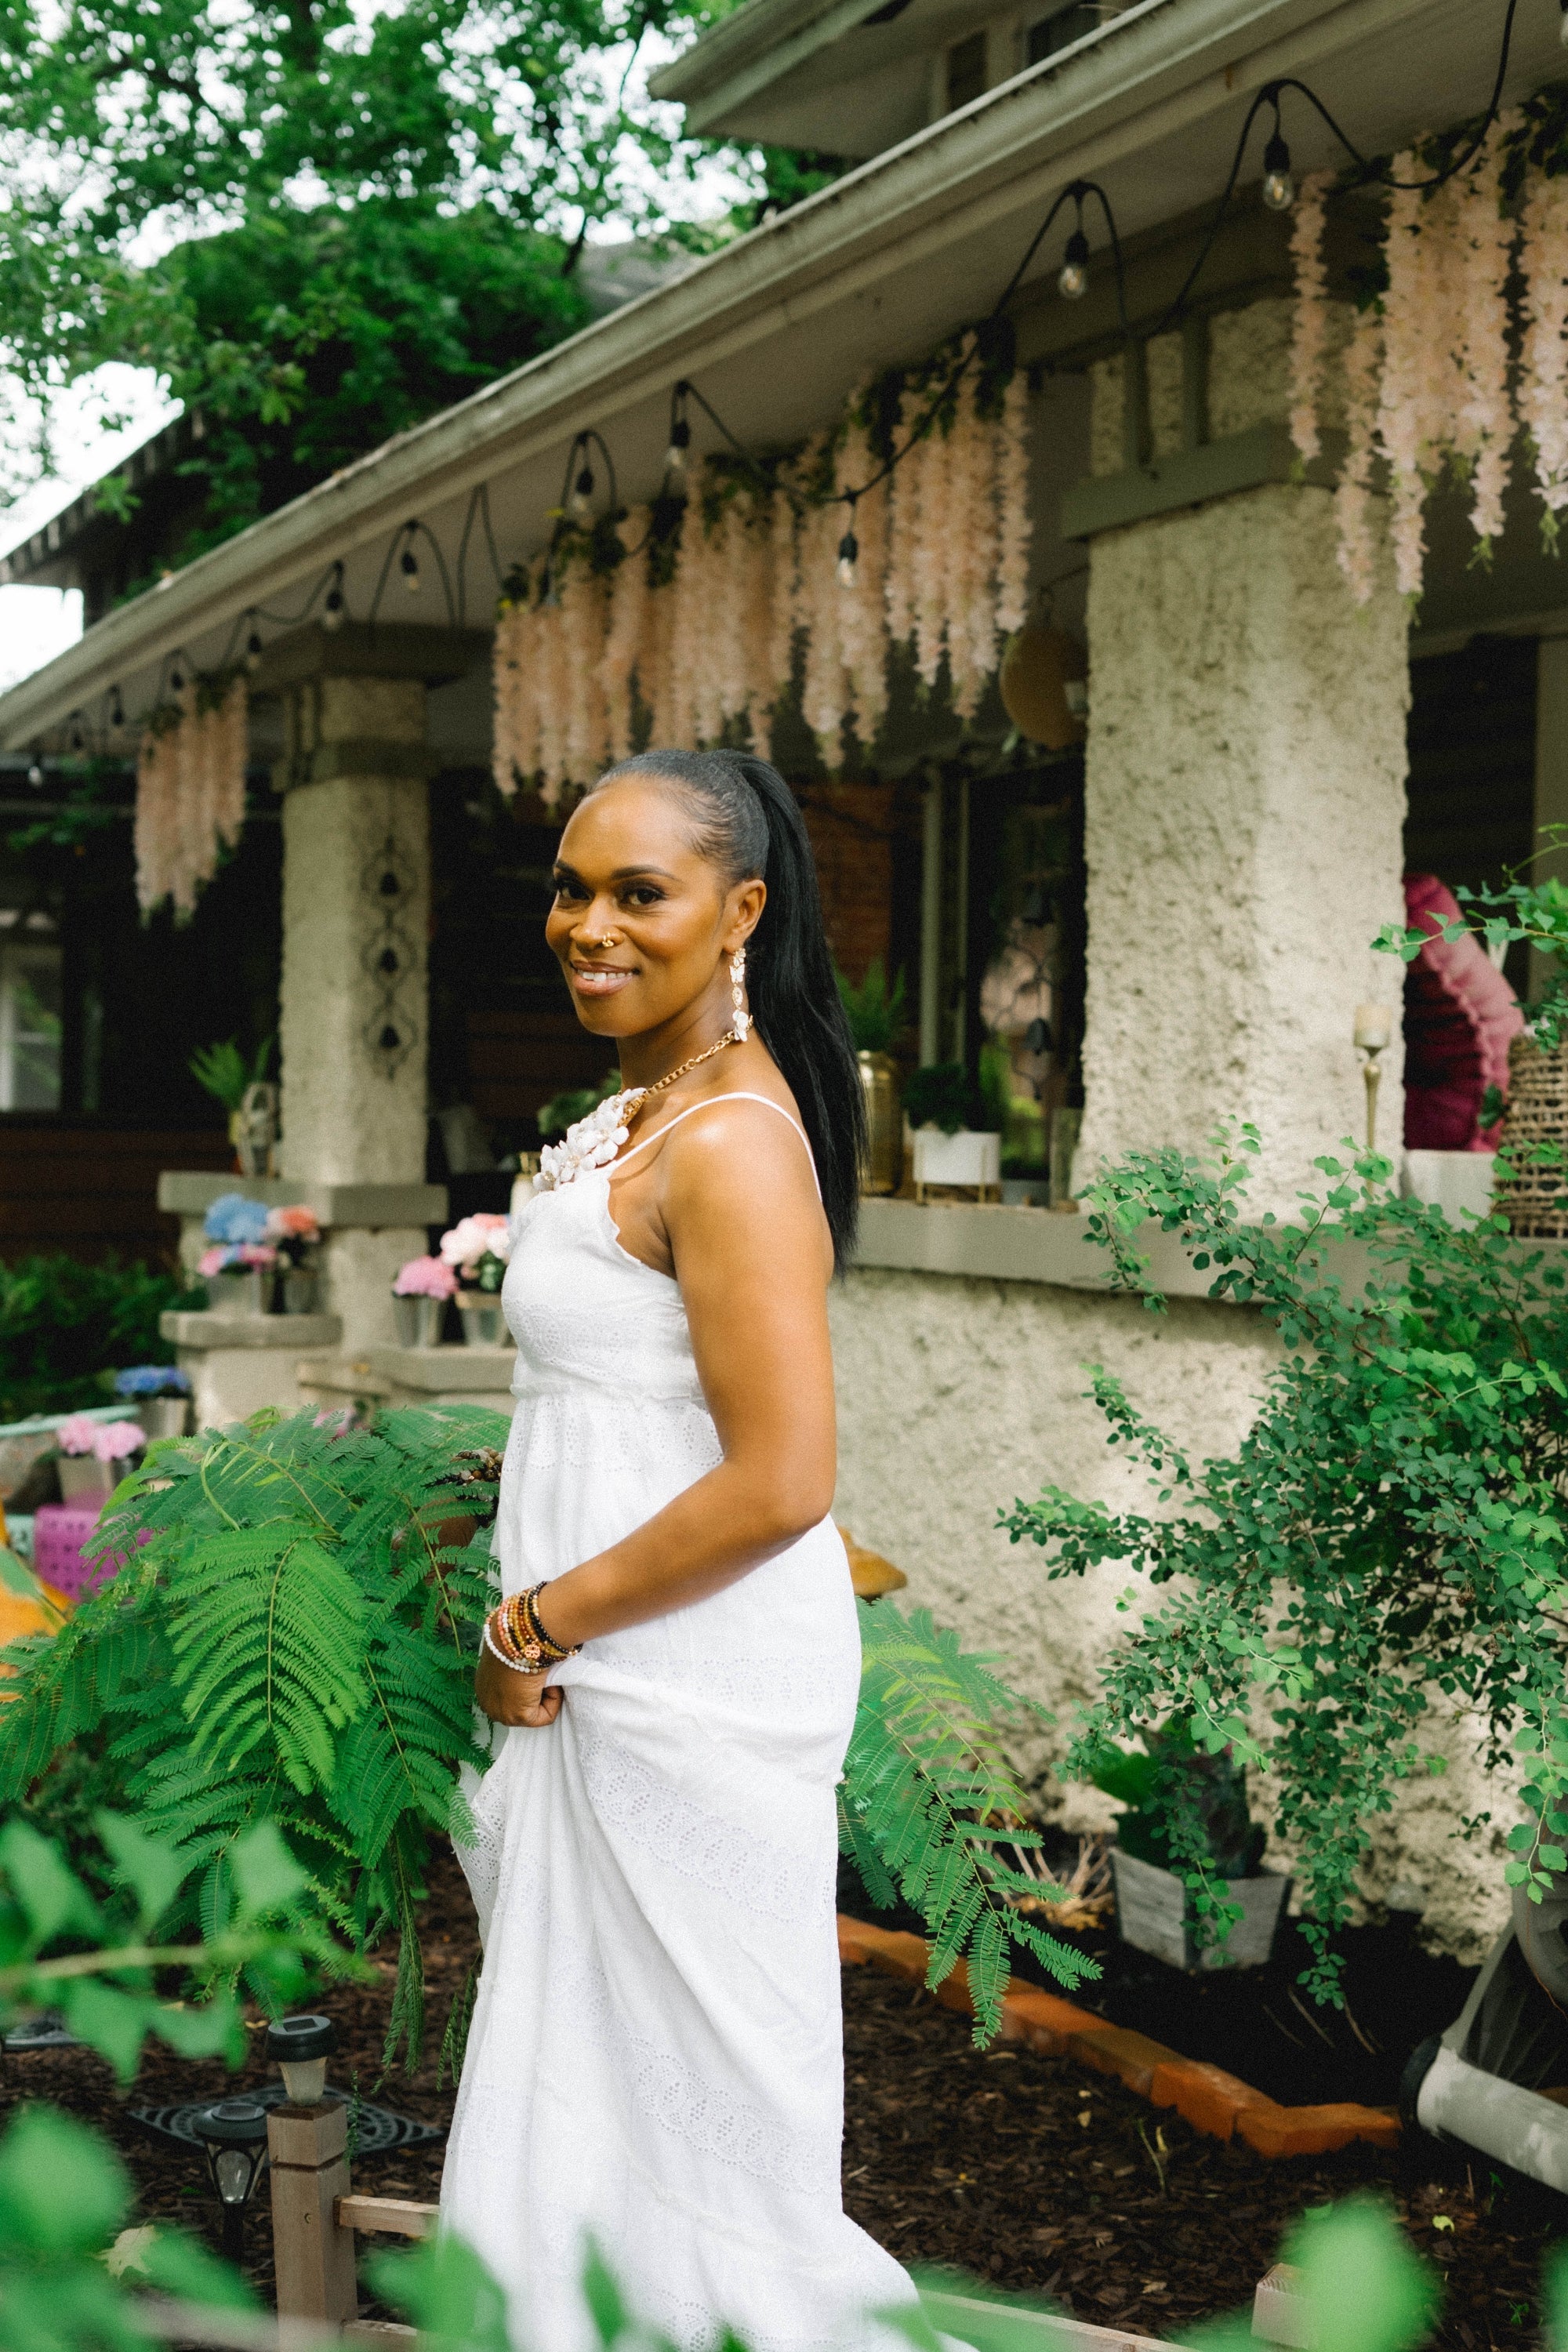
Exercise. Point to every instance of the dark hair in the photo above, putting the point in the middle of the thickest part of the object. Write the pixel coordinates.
(751, 826)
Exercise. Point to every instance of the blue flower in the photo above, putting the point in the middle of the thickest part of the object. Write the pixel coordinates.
(152, 1380)
(233, 1218)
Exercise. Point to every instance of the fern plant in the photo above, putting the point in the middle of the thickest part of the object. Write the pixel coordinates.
(290, 1641)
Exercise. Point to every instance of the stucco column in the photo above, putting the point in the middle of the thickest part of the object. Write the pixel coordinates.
(1245, 800)
(356, 903)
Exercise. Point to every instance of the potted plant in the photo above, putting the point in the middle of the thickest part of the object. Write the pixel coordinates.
(875, 1014)
(163, 1394)
(89, 1450)
(419, 1298)
(295, 1234)
(1177, 1796)
(222, 1072)
(477, 1249)
(1380, 1558)
(565, 1109)
(938, 1103)
(239, 1263)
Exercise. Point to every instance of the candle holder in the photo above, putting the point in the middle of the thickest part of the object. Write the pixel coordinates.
(1373, 1035)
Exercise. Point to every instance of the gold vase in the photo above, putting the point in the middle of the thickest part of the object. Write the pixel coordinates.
(884, 1123)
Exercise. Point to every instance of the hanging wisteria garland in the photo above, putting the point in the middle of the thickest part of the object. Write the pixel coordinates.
(695, 608)
(1460, 343)
(190, 788)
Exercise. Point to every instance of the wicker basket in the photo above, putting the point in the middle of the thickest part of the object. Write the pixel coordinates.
(1535, 1199)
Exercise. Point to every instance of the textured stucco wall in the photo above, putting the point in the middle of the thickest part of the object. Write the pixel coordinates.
(346, 1120)
(1244, 802)
(957, 1396)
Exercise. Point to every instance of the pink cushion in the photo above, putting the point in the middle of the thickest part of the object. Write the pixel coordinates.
(1460, 1017)
(59, 1531)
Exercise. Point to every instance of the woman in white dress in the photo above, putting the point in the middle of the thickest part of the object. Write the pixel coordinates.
(656, 2058)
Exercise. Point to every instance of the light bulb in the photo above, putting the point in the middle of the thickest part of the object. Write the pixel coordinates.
(408, 564)
(1073, 283)
(1563, 35)
(253, 650)
(305, 2080)
(116, 712)
(1279, 181)
(675, 455)
(848, 555)
(176, 681)
(580, 505)
(332, 606)
(36, 776)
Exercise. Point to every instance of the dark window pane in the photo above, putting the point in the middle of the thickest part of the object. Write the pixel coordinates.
(1063, 24)
(966, 70)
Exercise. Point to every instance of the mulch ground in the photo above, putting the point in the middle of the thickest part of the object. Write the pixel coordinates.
(1013, 2168)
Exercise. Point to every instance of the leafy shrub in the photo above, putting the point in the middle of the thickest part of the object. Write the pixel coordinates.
(875, 1011)
(940, 1095)
(65, 1326)
(1387, 1536)
(1172, 1782)
(295, 1646)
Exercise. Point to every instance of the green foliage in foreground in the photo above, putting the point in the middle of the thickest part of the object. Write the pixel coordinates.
(295, 1644)
(62, 1323)
(1388, 1538)
(100, 1963)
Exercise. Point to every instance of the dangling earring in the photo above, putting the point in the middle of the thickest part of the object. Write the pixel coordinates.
(741, 1020)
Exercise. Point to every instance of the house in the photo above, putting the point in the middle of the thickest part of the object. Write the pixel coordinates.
(1210, 867)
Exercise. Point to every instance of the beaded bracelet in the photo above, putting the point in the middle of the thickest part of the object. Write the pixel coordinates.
(514, 1665)
(519, 1640)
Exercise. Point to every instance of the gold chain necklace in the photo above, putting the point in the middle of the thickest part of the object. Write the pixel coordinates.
(634, 1097)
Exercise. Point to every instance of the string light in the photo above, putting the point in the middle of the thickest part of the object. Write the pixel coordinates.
(176, 680)
(408, 562)
(680, 443)
(1278, 180)
(1563, 35)
(253, 648)
(848, 555)
(116, 712)
(1073, 282)
(333, 602)
(36, 774)
(580, 506)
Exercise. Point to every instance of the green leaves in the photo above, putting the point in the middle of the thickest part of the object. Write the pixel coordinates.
(927, 1796)
(1387, 1538)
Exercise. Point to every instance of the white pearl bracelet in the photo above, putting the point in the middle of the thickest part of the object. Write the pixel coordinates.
(496, 1652)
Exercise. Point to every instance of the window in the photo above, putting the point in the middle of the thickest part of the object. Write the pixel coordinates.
(967, 70)
(29, 1026)
(1062, 26)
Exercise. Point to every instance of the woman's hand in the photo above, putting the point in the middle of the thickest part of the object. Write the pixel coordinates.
(509, 1698)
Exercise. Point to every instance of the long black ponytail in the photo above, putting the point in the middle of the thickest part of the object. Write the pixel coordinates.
(751, 826)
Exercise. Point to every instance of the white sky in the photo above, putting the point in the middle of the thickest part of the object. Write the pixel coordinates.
(36, 624)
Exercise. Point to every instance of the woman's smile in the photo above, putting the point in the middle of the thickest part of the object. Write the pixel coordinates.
(598, 979)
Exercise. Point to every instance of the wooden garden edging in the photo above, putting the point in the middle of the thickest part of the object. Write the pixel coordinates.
(1211, 2100)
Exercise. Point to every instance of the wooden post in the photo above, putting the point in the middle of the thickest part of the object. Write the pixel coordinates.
(314, 2256)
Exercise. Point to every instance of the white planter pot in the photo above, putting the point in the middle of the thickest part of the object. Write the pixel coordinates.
(1152, 1915)
(246, 1292)
(163, 1416)
(85, 1480)
(967, 1157)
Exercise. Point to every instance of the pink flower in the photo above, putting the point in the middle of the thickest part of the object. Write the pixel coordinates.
(113, 1440)
(296, 1224)
(256, 1253)
(473, 1238)
(77, 1435)
(216, 1260)
(424, 1278)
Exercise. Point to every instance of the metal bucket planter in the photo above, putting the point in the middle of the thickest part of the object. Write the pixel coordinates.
(418, 1321)
(298, 1287)
(484, 1324)
(163, 1416)
(884, 1168)
(1152, 1915)
(246, 1292)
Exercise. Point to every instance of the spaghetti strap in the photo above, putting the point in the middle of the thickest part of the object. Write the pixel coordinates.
(740, 1094)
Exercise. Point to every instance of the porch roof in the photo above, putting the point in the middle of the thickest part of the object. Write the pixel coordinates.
(777, 327)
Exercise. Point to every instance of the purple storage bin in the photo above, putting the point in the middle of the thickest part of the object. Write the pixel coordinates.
(59, 1531)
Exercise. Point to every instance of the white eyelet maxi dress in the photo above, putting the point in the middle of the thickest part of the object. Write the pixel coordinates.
(655, 2056)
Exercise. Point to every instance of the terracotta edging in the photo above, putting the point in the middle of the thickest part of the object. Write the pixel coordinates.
(1211, 2100)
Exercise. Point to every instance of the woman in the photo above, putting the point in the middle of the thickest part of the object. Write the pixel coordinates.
(656, 2058)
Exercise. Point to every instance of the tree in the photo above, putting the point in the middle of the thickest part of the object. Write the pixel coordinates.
(318, 223)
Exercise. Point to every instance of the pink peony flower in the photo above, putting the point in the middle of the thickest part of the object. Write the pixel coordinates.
(113, 1440)
(424, 1278)
(296, 1224)
(77, 1435)
(219, 1259)
(473, 1238)
(256, 1253)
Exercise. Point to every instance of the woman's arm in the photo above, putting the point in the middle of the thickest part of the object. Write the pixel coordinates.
(753, 1259)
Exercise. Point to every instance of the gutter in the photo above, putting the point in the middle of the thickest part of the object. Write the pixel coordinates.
(1184, 63)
